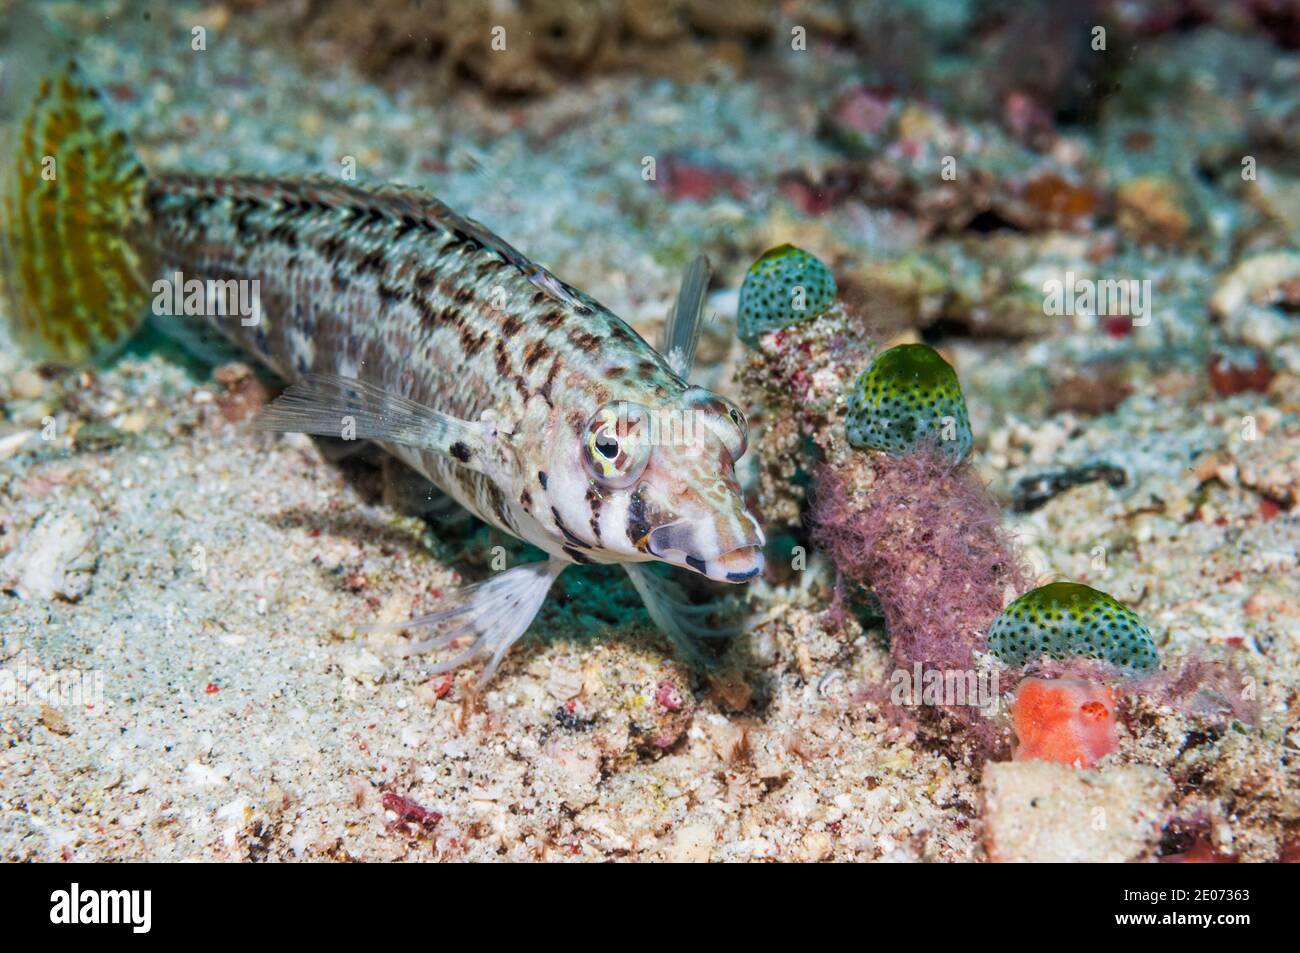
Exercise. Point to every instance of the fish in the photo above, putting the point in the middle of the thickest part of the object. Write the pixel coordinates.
(395, 320)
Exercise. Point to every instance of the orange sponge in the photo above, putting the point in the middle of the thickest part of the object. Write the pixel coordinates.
(1065, 719)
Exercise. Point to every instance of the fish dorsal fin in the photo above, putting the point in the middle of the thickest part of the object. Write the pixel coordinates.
(681, 333)
(410, 206)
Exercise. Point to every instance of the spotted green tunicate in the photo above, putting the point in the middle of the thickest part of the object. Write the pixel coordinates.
(786, 285)
(909, 394)
(1069, 619)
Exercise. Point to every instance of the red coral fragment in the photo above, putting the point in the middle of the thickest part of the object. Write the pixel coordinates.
(817, 197)
(1118, 325)
(805, 196)
(1230, 376)
(683, 178)
(409, 811)
(668, 696)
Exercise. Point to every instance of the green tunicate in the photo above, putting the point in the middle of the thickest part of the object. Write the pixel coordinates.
(786, 285)
(1071, 620)
(908, 395)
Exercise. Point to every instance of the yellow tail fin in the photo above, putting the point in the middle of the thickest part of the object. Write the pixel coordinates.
(71, 196)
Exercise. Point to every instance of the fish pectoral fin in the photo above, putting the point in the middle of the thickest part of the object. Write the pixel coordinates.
(494, 613)
(681, 332)
(330, 405)
(684, 622)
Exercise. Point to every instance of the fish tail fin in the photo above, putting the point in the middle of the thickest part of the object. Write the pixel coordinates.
(72, 197)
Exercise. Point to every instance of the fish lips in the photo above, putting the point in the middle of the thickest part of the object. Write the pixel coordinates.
(679, 544)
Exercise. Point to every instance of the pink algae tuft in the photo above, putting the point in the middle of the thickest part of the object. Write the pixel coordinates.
(925, 536)
(928, 540)
(1066, 720)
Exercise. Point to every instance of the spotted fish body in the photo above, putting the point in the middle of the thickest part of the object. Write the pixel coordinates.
(394, 288)
(391, 298)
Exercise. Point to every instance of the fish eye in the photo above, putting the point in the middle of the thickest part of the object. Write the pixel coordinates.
(606, 445)
(617, 444)
(734, 434)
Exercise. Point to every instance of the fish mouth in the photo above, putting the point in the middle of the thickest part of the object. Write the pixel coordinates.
(738, 565)
(672, 544)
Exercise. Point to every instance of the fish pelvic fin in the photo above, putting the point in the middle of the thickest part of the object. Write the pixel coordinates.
(329, 405)
(684, 622)
(72, 195)
(493, 615)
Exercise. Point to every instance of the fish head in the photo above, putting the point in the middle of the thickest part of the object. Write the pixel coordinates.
(659, 483)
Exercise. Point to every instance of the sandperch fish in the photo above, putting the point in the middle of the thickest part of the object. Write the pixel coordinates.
(393, 319)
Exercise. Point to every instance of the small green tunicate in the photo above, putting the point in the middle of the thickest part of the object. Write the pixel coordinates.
(783, 287)
(908, 395)
(1070, 620)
